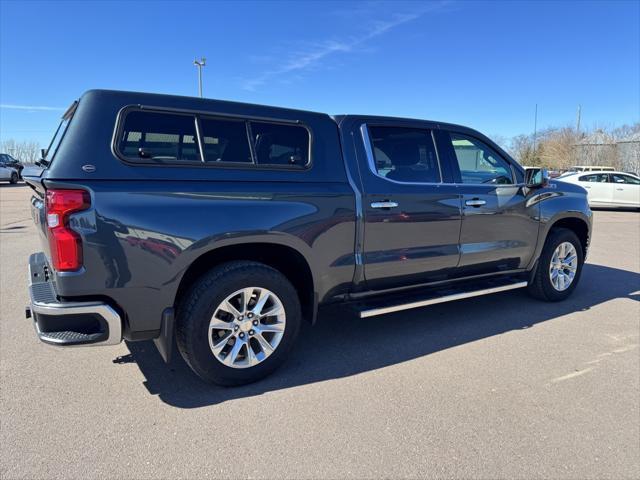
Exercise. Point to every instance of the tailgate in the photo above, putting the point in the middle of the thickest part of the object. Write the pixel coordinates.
(38, 211)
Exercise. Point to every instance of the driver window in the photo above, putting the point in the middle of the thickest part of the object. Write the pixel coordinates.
(478, 162)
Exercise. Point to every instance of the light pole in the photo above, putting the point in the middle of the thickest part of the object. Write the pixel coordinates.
(535, 132)
(200, 63)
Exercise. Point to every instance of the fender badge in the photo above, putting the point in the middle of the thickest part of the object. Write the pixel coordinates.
(89, 168)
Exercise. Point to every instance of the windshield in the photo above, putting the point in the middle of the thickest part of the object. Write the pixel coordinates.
(50, 152)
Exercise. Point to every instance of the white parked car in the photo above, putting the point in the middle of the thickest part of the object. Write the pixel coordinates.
(608, 189)
(8, 173)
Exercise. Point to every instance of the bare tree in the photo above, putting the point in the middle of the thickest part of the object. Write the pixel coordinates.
(27, 151)
(522, 149)
(557, 147)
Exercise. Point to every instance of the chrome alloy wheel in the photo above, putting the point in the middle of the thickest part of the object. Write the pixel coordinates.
(563, 267)
(247, 327)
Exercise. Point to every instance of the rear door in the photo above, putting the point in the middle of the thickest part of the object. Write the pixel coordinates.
(411, 217)
(599, 187)
(499, 230)
(626, 190)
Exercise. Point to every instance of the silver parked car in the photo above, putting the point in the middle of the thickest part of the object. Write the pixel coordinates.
(8, 173)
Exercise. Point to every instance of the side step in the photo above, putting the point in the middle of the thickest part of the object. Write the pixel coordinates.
(439, 297)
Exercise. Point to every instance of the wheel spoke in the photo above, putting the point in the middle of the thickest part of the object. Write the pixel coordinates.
(275, 310)
(247, 293)
(230, 309)
(217, 324)
(251, 356)
(231, 357)
(273, 327)
(222, 342)
(264, 344)
(262, 299)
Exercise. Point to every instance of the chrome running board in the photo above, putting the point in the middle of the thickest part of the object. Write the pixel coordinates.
(447, 298)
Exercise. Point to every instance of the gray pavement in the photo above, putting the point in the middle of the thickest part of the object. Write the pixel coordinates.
(501, 386)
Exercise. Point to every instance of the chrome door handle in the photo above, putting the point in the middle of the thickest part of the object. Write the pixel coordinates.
(475, 202)
(385, 204)
(620, 189)
(587, 186)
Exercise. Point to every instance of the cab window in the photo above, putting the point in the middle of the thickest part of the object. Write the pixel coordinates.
(478, 162)
(404, 154)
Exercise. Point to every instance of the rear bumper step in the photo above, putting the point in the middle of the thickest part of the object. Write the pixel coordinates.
(439, 297)
(68, 323)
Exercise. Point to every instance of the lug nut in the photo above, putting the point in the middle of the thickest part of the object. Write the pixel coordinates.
(250, 315)
(235, 329)
(251, 332)
(240, 317)
(255, 323)
(241, 334)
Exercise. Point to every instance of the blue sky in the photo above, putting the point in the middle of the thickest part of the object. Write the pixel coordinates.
(482, 64)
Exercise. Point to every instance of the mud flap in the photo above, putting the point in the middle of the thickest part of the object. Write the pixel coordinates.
(164, 342)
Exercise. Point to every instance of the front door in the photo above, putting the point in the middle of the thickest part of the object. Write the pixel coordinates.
(599, 188)
(499, 231)
(411, 218)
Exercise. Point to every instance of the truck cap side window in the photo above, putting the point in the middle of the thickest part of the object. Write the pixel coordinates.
(225, 140)
(405, 154)
(159, 136)
(478, 162)
(278, 144)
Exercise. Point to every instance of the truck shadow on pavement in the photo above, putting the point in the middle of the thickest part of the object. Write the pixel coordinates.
(341, 345)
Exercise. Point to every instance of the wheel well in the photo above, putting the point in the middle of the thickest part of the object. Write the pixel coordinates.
(577, 226)
(286, 260)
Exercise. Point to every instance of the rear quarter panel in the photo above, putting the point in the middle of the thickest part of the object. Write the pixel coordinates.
(140, 239)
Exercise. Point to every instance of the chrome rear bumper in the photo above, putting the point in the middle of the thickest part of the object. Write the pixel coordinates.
(65, 323)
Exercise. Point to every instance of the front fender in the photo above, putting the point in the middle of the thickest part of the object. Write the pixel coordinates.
(560, 201)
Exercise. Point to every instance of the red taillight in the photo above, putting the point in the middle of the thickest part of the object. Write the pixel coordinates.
(65, 245)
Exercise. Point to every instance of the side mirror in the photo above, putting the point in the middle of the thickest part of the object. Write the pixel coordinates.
(538, 177)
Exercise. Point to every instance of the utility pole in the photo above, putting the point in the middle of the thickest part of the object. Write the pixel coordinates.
(200, 63)
(578, 119)
(535, 131)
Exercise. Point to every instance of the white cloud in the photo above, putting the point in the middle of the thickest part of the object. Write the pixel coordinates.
(313, 57)
(7, 106)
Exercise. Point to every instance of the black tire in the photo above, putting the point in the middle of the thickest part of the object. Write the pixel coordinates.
(14, 178)
(540, 286)
(198, 305)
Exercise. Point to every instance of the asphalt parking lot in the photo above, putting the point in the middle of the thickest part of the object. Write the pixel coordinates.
(501, 386)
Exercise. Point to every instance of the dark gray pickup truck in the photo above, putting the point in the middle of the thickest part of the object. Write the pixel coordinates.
(224, 225)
